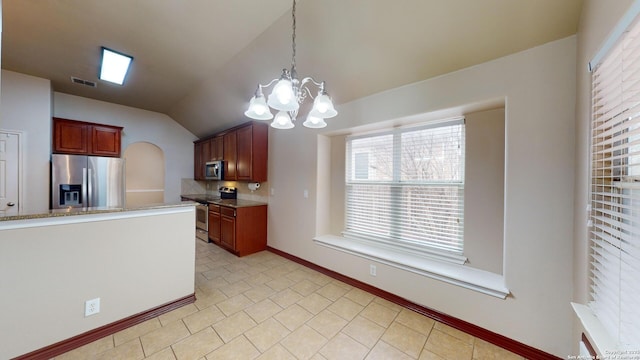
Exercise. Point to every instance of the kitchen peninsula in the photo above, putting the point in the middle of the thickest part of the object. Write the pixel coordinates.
(139, 262)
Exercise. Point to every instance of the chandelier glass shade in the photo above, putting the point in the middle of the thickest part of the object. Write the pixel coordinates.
(287, 95)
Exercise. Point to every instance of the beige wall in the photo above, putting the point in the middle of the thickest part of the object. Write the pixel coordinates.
(484, 190)
(139, 126)
(26, 106)
(49, 272)
(539, 88)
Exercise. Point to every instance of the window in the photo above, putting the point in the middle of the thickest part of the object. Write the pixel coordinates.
(615, 191)
(405, 188)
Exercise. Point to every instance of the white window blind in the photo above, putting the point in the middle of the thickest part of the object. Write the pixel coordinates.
(405, 187)
(615, 190)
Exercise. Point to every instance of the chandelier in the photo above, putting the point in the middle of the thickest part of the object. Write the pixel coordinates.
(287, 95)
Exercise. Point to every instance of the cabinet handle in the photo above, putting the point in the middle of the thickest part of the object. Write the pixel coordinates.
(11, 203)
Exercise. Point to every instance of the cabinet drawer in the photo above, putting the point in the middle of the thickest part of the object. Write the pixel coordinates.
(214, 208)
(227, 211)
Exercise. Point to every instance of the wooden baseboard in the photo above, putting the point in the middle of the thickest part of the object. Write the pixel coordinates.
(471, 329)
(590, 349)
(106, 330)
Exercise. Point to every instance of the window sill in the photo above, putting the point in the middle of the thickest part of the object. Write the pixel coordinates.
(474, 279)
(597, 334)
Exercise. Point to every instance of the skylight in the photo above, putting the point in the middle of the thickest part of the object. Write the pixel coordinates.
(114, 66)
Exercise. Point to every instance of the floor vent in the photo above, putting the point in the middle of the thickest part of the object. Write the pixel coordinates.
(76, 80)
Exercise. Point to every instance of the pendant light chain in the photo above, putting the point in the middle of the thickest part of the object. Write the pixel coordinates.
(293, 37)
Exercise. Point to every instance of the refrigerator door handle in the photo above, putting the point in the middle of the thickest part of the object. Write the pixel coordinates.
(84, 188)
(90, 187)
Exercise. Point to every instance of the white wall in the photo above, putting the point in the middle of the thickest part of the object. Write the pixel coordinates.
(139, 126)
(539, 87)
(26, 106)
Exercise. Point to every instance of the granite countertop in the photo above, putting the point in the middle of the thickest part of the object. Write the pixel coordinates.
(87, 211)
(214, 199)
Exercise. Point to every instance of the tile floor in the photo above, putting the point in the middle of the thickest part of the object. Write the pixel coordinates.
(264, 306)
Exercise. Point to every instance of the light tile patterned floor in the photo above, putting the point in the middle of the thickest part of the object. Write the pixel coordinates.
(264, 306)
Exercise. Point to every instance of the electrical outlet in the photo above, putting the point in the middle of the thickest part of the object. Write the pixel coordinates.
(91, 307)
(372, 270)
(305, 194)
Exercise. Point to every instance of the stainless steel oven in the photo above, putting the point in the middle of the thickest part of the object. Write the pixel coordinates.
(202, 222)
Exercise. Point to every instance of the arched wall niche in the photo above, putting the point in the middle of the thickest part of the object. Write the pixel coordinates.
(145, 169)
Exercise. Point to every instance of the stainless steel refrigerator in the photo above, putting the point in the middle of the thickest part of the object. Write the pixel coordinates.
(87, 181)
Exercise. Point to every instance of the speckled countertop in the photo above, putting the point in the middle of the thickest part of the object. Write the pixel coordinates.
(86, 211)
(212, 199)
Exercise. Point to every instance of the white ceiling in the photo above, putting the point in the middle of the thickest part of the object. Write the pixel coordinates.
(199, 61)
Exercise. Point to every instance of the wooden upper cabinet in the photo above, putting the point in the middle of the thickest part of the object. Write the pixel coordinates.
(252, 148)
(243, 149)
(230, 155)
(206, 152)
(217, 148)
(198, 167)
(70, 137)
(83, 138)
(244, 153)
(105, 140)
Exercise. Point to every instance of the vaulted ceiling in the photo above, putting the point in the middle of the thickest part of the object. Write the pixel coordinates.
(199, 61)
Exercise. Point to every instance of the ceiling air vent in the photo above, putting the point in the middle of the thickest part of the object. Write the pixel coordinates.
(76, 80)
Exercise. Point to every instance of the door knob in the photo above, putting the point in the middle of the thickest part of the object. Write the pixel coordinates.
(11, 204)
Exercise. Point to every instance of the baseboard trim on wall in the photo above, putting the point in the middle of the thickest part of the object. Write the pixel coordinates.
(590, 349)
(471, 329)
(106, 330)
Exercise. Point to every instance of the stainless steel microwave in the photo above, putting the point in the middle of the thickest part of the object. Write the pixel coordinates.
(213, 170)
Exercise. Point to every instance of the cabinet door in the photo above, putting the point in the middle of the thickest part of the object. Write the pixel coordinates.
(251, 230)
(198, 168)
(206, 151)
(228, 228)
(230, 156)
(214, 227)
(244, 159)
(105, 141)
(217, 148)
(70, 137)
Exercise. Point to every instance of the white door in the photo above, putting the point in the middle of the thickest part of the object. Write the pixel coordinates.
(9, 176)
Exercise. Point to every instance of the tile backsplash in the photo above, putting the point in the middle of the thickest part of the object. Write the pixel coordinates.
(190, 186)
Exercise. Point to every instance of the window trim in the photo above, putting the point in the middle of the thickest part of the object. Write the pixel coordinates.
(481, 281)
(407, 247)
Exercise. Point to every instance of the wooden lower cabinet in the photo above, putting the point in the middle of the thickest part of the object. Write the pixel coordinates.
(214, 223)
(241, 230)
(228, 228)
